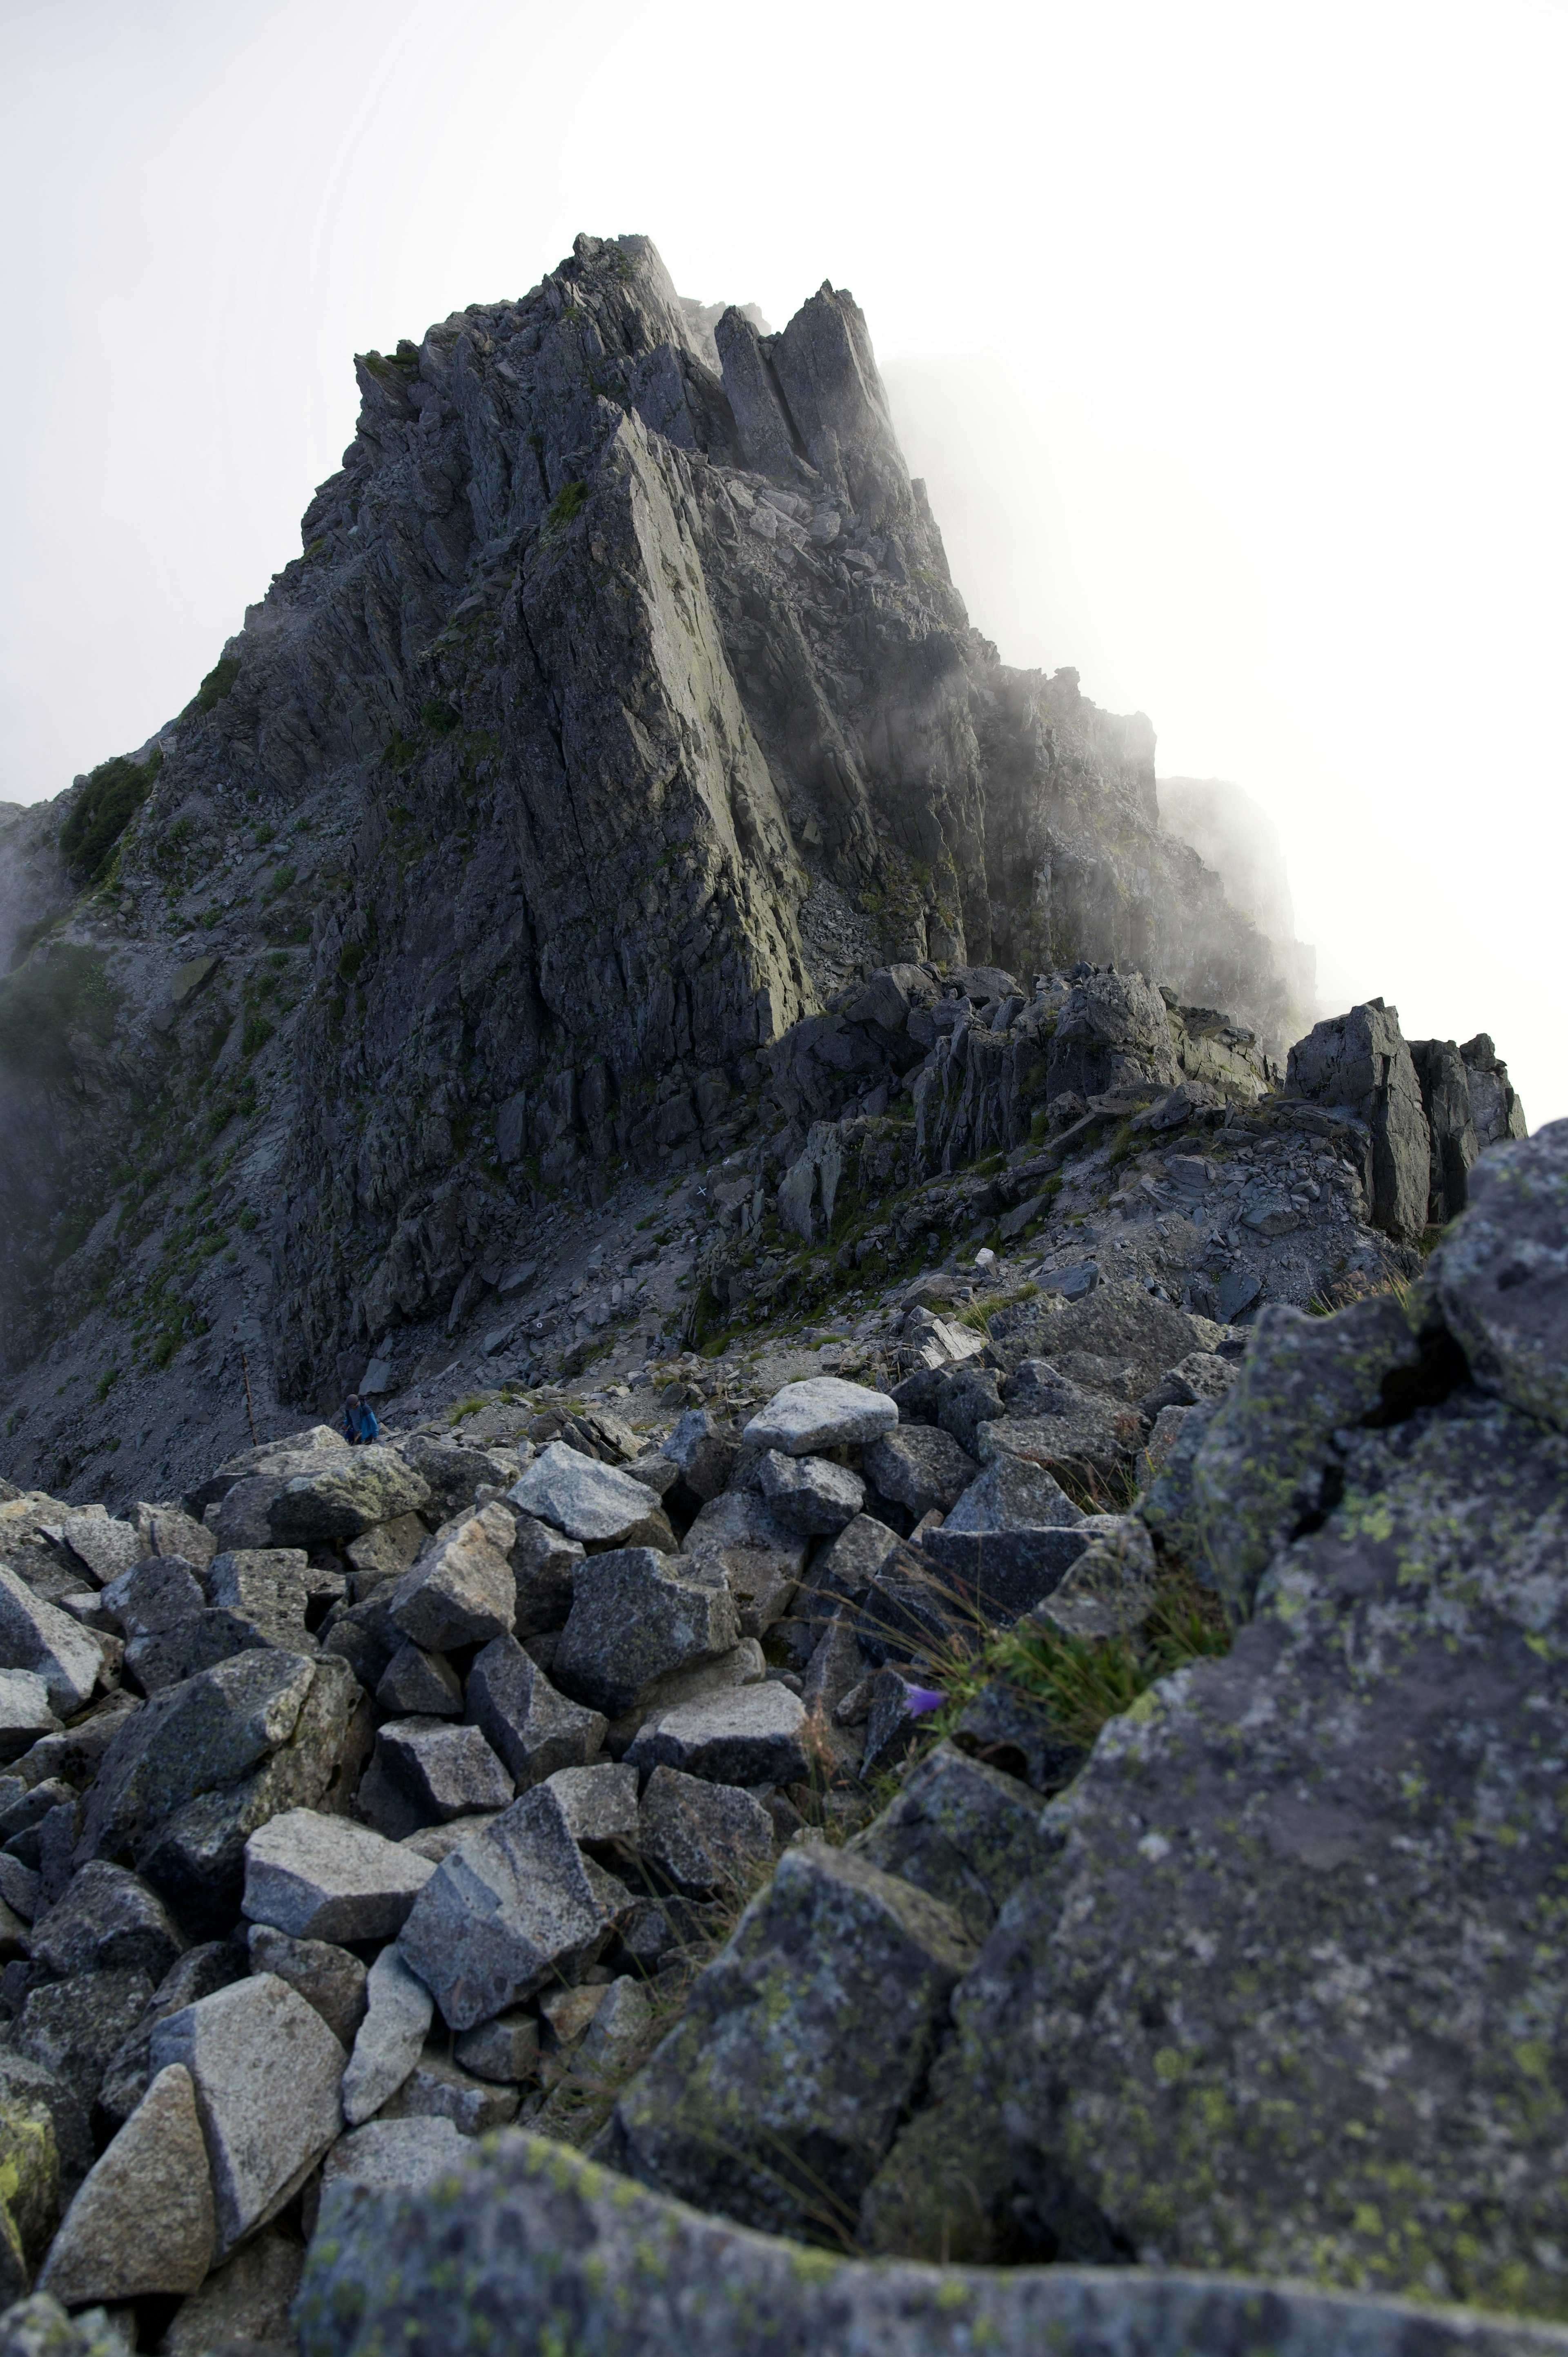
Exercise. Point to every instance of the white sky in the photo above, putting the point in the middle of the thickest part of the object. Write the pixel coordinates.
(1230, 339)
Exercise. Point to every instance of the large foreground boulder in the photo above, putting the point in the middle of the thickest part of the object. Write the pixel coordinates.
(526, 2245)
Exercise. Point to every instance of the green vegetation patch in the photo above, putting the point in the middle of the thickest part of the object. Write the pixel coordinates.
(566, 506)
(104, 809)
(43, 1003)
(218, 682)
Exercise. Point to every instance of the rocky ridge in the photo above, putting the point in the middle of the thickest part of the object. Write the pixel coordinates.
(619, 712)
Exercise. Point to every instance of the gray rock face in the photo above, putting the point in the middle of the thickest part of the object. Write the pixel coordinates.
(246, 2301)
(156, 1594)
(420, 1684)
(1445, 1101)
(103, 1546)
(187, 1779)
(391, 2038)
(600, 1803)
(822, 1413)
(199, 1973)
(920, 1466)
(757, 2103)
(505, 2049)
(326, 1975)
(446, 1771)
(750, 1736)
(39, 1637)
(512, 1909)
(462, 1592)
(401, 2156)
(966, 1834)
(76, 2028)
(1495, 1109)
(320, 1877)
(597, 1504)
(760, 1552)
(701, 1837)
(455, 1473)
(636, 1615)
(703, 1452)
(530, 1727)
(551, 2236)
(108, 1921)
(438, 2089)
(544, 1562)
(266, 2070)
(1502, 1278)
(1361, 1060)
(25, 1712)
(353, 1490)
(268, 1586)
(811, 1493)
(144, 2220)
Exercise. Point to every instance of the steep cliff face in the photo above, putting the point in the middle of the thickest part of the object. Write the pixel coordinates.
(620, 707)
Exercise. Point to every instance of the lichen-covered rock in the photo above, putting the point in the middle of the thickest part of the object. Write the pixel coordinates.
(1291, 1995)
(1502, 1276)
(346, 1495)
(698, 1837)
(778, 2092)
(965, 1833)
(1257, 1465)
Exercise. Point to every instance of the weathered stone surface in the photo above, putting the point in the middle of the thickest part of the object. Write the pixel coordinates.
(438, 2089)
(1316, 1845)
(108, 1921)
(144, 2220)
(703, 1451)
(920, 1467)
(417, 1684)
(384, 1552)
(761, 1551)
(30, 2173)
(506, 2050)
(447, 1772)
(321, 1877)
(1258, 1465)
(391, 2038)
(454, 1471)
(28, 2088)
(190, 1776)
(268, 1586)
(1361, 1060)
(544, 1562)
(166, 1531)
(327, 1977)
(461, 1592)
(1502, 1277)
(266, 2070)
(404, 2155)
(37, 1636)
(347, 1495)
(555, 2243)
(811, 1493)
(822, 1412)
(245, 2302)
(1445, 1101)
(965, 1833)
(753, 1735)
(782, 2085)
(701, 1837)
(621, 2021)
(596, 1503)
(24, 1711)
(1014, 1495)
(514, 1907)
(157, 1593)
(636, 1615)
(75, 2028)
(200, 1971)
(103, 1546)
(533, 1729)
(600, 1803)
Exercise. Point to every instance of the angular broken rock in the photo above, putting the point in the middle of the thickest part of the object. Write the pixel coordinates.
(245, 2302)
(600, 1803)
(461, 1592)
(102, 1546)
(456, 1473)
(269, 1586)
(811, 1493)
(417, 1684)
(25, 1712)
(965, 1833)
(596, 1504)
(544, 1562)
(400, 2154)
(345, 1496)
(438, 2089)
(824, 1412)
(761, 1554)
(77, 2027)
(447, 1772)
(534, 1729)
(200, 1971)
(750, 1736)
(506, 2050)
(384, 1552)
(156, 1594)
(621, 2020)
(389, 2040)
(785, 2080)
(327, 1977)
(703, 1451)
(1500, 1274)
(267, 2071)
(920, 1466)
(636, 1615)
(144, 2220)
(321, 1877)
(39, 1636)
(517, 1906)
(701, 1837)
(108, 1921)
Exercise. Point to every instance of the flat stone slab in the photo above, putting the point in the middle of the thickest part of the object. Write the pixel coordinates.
(400, 2156)
(322, 1878)
(449, 1771)
(391, 2038)
(596, 1503)
(750, 1736)
(824, 1412)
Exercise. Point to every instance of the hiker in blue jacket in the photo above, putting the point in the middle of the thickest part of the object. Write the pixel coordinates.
(359, 1424)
